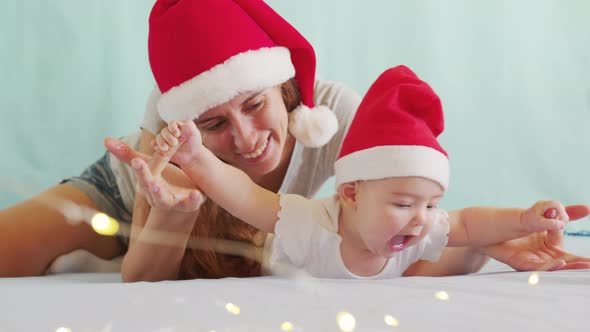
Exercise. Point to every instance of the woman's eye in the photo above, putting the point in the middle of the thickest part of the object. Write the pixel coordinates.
(254, 107)
(214, 126)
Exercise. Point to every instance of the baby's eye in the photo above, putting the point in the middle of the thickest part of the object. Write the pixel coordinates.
(402, 205)
(430, 207)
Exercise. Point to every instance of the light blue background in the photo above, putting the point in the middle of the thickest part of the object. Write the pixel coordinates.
(514, 77)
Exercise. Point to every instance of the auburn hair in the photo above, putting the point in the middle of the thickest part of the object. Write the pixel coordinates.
(213, 223)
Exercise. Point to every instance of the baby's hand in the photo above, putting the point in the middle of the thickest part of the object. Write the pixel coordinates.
(184, 133)
(543, 216)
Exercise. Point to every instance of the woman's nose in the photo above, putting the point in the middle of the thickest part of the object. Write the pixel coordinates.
(244, 135)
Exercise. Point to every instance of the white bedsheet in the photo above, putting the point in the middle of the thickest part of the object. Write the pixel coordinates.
(489, 301)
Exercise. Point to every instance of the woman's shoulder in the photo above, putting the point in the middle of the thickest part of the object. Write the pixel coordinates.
(336, 95)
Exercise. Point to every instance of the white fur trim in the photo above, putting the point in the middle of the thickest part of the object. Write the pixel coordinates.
(312, 127)
(152, 102)
(248, 71)
(382, 162)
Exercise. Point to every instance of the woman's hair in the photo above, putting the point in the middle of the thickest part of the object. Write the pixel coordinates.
(215, 223)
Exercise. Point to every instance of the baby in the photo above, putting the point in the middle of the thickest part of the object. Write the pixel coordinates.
(390, 176)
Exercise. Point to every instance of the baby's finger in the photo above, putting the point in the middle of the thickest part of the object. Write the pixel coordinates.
(553, 210)
(160, 158)
(161, 142)
(171, 141)
(546, 224)
(561, 212)
(187, 129)
(174, 128)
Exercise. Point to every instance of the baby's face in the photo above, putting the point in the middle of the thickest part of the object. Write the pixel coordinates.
(395, 213)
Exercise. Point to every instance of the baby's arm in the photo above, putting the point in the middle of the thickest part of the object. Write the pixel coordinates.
(226, 185)
(483, 226)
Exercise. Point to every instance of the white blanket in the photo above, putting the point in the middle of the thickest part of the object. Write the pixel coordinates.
(489, 301)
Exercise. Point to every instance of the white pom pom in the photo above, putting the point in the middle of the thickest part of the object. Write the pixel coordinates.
(312, 127)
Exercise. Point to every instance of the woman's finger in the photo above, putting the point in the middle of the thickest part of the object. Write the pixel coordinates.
(575, 266)
(164, 196)
(190, 201)
(576, 212)
(553, 265)
(145, 180)
(122, 151)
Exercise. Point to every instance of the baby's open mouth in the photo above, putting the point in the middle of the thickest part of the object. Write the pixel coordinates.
(399, 242)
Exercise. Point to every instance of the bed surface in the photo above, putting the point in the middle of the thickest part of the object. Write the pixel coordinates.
(496, 299)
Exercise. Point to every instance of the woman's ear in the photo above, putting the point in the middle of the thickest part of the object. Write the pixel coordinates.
(347, 192)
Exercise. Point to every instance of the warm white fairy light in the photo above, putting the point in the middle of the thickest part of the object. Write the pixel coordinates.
(287, 326)
(104, 225)
(346, 321)
(442, 295)
(232, 308)
(63, 329)
(390, 320)
(534, 279)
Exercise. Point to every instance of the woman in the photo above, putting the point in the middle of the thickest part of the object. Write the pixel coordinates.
(246, 126)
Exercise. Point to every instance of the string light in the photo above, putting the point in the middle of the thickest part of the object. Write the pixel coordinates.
(346, 321)
(232, 308)
(63, 329)
(287, 326)
(442, 295)
(104, 225)
(534, 279)
(390, 320)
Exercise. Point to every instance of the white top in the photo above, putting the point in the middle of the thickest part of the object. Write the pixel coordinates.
(306, 237)
(308, 169)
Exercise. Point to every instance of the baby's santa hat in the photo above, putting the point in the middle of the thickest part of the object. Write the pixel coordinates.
(203, 53)
(394, 131)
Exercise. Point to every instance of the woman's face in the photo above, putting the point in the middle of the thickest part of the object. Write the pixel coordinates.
(249, 132)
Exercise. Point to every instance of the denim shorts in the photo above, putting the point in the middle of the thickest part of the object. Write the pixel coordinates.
(100, 184)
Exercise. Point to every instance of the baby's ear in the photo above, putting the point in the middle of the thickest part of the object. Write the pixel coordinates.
(347, 193)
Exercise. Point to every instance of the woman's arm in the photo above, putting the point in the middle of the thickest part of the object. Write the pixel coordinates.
(153, 254)
(453, 261)
(157, 248)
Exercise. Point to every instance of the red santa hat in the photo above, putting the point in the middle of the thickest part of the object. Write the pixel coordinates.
(203, 53)
(394, 131)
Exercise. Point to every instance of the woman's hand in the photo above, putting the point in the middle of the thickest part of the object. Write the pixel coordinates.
(176, 192)
(541, 251)
(159, 193)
